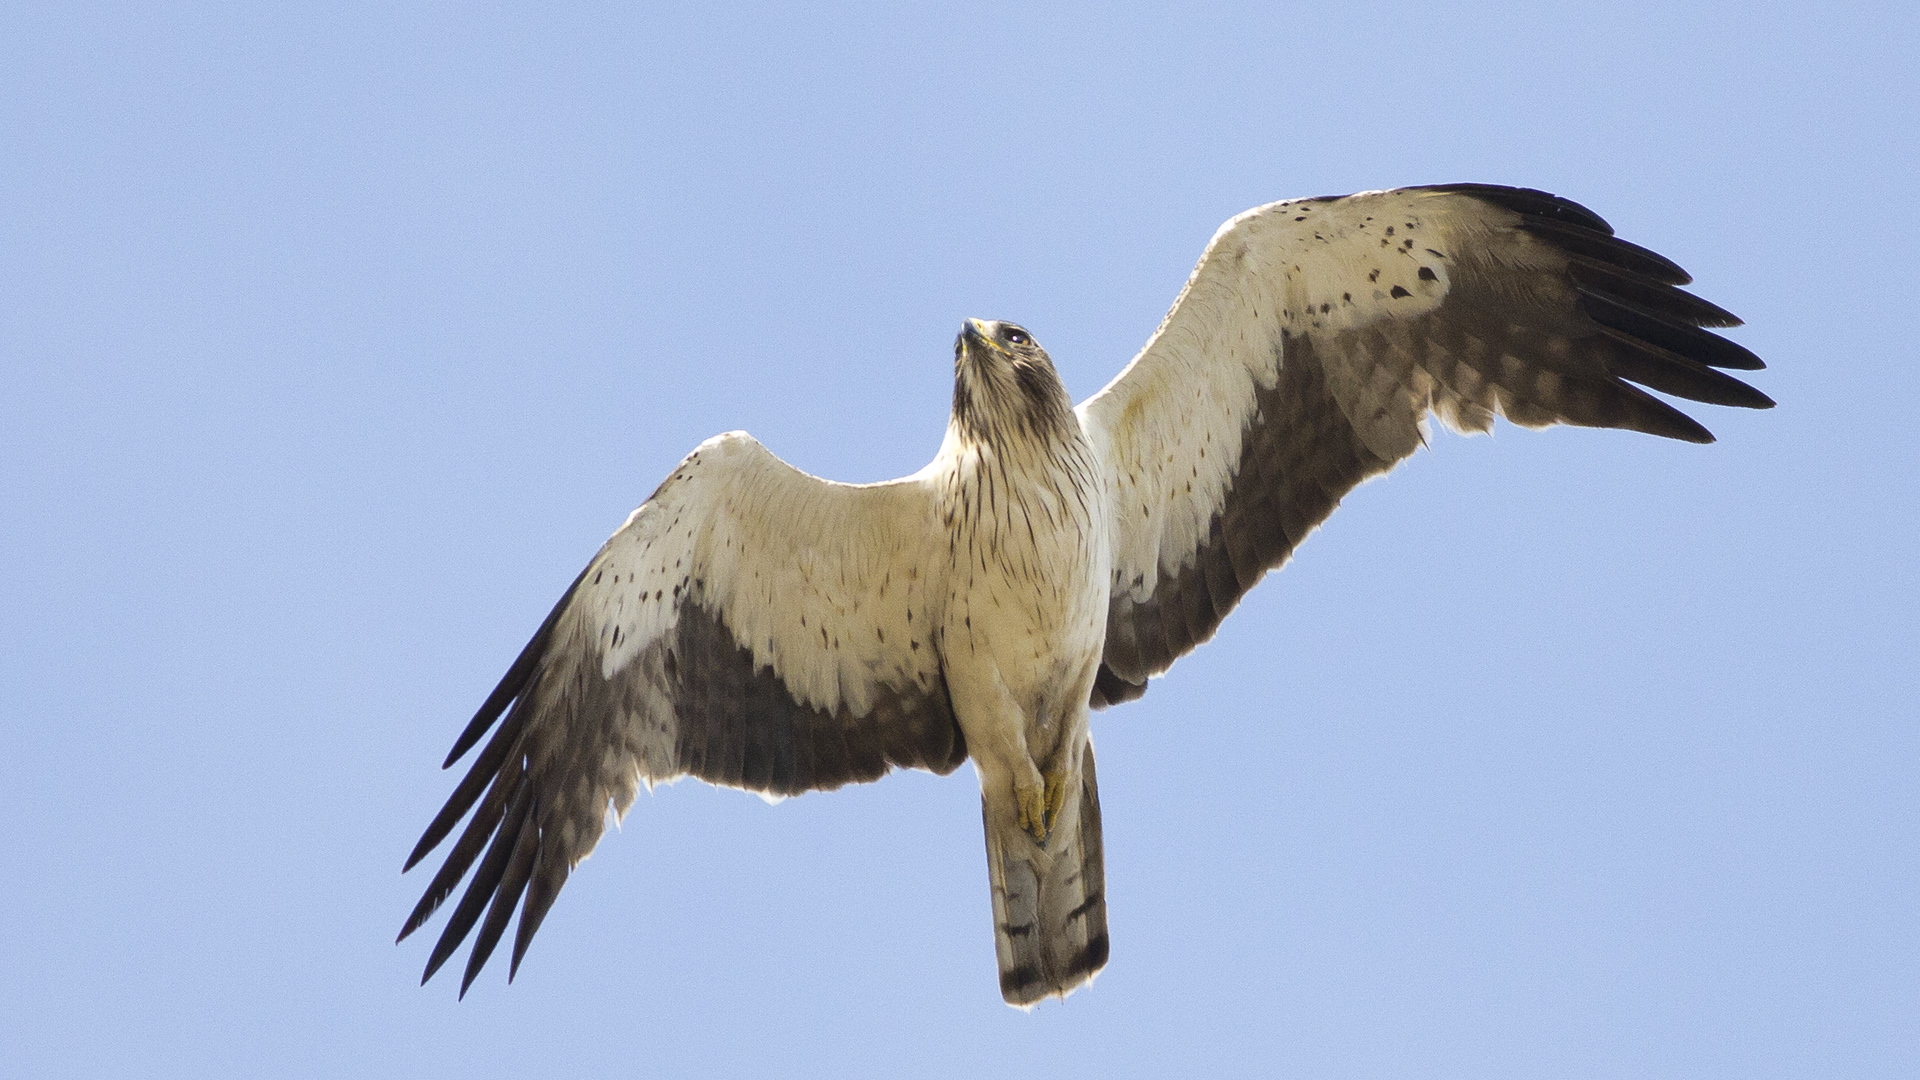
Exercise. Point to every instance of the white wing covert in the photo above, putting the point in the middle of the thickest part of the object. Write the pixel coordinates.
(749, 625)
(1308, 347)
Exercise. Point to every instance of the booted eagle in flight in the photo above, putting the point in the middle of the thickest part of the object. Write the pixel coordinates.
(757, 627)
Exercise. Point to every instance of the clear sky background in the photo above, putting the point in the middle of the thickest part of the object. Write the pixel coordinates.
(334, 338)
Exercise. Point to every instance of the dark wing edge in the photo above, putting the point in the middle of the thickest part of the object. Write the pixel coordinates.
(499, 823)
(1611, 317)
(570, 742)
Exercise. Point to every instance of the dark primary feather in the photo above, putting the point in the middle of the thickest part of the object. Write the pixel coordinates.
(485, 880)
(1531, 201)
(1612, 317)
(511, 683)
(1670, 301)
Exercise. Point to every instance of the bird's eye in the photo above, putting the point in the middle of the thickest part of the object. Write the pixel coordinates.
(1016, 336)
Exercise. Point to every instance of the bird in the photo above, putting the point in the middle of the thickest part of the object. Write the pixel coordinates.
(757, 627)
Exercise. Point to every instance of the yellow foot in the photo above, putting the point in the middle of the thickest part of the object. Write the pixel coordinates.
(1040, 807)
(1033, 811)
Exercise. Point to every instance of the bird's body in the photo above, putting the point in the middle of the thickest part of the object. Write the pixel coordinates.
(757, 627)
(1024, 507)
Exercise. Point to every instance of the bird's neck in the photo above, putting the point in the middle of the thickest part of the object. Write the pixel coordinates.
(1028, 415)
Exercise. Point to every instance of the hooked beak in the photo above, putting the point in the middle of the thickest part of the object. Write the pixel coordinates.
(974, 335)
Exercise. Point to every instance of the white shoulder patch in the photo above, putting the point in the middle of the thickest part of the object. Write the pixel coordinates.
(823, 583)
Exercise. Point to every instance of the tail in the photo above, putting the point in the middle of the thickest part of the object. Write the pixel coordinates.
(1049, 906)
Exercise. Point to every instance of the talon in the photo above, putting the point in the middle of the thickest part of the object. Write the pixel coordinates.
(1056, 798)
(1034, 818)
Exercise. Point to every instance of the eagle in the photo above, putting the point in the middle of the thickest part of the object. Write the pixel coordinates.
(761, 628)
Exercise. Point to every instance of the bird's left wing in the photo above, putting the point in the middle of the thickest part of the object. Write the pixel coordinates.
(749, 625)
(1310, 344)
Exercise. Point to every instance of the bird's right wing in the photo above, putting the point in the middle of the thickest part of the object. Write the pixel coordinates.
(749, 625)
(1310, 344)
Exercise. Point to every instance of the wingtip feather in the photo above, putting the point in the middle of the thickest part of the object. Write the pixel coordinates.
(419, 852)
(542, 890)
(1532, 201)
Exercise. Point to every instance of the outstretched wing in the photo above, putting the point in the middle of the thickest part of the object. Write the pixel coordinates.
(1311, 342)
(749, 625)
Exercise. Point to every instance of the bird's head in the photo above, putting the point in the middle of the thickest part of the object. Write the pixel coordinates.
(1004, 385)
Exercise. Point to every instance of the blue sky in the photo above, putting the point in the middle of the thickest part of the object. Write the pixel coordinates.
(335, 338)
